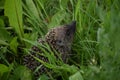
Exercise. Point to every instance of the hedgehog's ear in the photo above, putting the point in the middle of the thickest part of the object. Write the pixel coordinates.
(71, 28)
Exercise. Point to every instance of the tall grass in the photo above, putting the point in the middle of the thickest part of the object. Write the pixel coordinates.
(95, 49)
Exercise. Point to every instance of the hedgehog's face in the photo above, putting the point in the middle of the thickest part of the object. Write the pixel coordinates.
(61, 37)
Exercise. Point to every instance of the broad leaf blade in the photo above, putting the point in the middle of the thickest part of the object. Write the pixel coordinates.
(33, 10)
(14, 45)
(4, 35)
(13, 10)
(3, 69)
(21, 73)
(76, 76)
(57, 18)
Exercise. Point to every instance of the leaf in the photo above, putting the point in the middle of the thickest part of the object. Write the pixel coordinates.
(13, 10)
(41, 3)
(32, 8)
(76, 76)
(2, 4)
(1, 23)
(32, 37)
(63, 4)
(95, 69)
(14, 45)
(43, 77)
(21, 73)
(3, 42)
(57, 18)
(77, 9)
(4, 35)
(3, 69)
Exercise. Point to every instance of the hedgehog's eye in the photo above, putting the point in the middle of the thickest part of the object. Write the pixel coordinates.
(59, 41)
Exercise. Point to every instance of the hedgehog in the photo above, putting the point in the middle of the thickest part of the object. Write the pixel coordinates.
(59, 38)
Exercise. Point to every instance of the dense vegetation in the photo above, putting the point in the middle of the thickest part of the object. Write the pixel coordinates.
(96, 46)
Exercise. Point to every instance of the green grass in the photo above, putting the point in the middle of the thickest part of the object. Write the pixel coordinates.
(95, 49)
